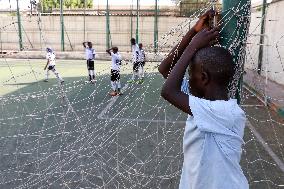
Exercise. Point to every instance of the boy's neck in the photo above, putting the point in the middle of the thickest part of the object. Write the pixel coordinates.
(216, 93)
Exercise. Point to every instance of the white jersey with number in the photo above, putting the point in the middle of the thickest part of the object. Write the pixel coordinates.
(135, 53)
(141, 55)
(51, 57)
(115, 61)
(90, 53)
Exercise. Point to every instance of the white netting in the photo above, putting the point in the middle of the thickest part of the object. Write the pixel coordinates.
(75, 136)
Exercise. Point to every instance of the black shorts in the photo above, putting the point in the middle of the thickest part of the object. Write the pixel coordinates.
(51, 67)
(90, 65)
(114, 75)
(136, 66)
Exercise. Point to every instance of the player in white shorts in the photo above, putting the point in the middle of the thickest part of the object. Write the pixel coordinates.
(50, 65)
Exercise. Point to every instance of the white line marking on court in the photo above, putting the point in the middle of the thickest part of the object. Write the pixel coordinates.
(112, 101)
(257, 135)
(144, 120)
(252, 105)
(266, 147)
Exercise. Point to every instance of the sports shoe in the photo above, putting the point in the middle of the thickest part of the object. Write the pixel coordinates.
(61, 82)
(130, 81)
(46, 80)
(119, 94)
(140, 81)
(112, 93)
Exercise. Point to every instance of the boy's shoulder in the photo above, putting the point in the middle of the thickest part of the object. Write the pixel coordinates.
(221, 108)
(49, 54)
(115, 54)
(219, 116)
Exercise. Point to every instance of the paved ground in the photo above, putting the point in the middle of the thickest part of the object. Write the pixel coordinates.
(270, 91)
(257, 162)
(76, 136)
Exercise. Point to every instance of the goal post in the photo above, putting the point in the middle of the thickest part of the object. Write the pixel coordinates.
(234, 35)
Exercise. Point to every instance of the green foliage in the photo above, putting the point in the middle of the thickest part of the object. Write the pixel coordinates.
(48, 5)
(13, 14)
(188, 7)
(90, 3)
(259, 9)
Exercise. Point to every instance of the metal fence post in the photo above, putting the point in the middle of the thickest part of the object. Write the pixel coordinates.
(238, 13)
(156, 27)
(19, 27)
(62, 26)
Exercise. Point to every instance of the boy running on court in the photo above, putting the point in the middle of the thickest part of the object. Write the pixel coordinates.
(215, 125)
(90, 56)
(141, 60)
(135, 56)
(50, 65)
(115, 71)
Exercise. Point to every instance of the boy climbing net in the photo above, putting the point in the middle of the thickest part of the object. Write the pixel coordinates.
(215, 124)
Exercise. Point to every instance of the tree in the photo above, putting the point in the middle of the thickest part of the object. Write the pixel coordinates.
(67, 3)
(49, 5)
(187, 7)
(90, 3)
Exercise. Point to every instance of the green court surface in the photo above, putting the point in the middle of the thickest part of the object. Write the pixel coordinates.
(76, 136)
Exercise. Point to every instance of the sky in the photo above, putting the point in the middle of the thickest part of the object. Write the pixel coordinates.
(23, 4)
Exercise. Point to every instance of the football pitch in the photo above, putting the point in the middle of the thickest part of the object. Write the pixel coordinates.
(76, 136)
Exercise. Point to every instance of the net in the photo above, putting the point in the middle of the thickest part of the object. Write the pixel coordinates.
(75, 136)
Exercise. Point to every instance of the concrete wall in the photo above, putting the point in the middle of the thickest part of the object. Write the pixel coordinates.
(120, 28)
(273, 51)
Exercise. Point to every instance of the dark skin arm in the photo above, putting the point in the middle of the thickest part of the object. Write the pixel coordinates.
(171, 88)
(84, 44)
(108, 51)
(46, 65)
(170, 61)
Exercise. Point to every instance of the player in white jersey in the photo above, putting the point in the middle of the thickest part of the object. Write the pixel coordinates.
(50, 65)
(135, 55)
(141, 60)
(90, 56)
(115, 71)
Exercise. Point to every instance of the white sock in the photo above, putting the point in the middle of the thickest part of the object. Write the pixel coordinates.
(46, 75)
(90, 76)
(92, 73)
(57, 75)
(133, 76)
(140, 72)
(118, 84)
(113, 85)
(142, 69)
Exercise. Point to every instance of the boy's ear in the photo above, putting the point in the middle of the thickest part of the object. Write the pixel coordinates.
(205, 78)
